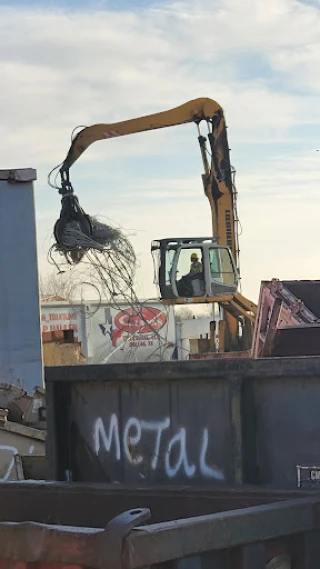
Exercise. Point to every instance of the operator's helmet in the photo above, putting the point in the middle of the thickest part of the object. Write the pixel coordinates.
(194, 257)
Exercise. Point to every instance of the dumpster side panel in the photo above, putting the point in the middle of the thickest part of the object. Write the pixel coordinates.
(282, 535)
(200, 422)
(163, 432)
(287, 415)
(93, 505)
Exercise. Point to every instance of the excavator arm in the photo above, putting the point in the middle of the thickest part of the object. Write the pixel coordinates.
(193, 111)
(217, 181)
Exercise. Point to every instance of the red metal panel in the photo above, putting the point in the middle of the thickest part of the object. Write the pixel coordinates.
(14, 564)
(279, 309)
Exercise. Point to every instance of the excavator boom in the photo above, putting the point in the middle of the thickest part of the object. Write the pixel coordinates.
(217, 179)
(193, 111)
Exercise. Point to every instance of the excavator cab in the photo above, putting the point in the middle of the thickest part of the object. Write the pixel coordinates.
(213, 276)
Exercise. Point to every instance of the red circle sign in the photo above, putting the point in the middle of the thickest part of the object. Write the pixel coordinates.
(142, 320)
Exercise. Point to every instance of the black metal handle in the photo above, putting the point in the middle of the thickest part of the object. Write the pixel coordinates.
(117, 529)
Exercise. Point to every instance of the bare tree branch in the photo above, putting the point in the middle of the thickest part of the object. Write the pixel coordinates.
(54, 286)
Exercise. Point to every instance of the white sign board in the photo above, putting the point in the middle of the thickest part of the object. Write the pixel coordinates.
(62, 318)
(143, 332)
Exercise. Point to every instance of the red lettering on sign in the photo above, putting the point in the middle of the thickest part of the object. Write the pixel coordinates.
(62, 316)
(142, 320)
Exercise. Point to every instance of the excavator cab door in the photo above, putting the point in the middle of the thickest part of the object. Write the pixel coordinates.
(212, 274)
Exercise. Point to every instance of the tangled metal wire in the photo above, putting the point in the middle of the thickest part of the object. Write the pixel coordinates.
(99, 257)
(79, 237)
(102, 276)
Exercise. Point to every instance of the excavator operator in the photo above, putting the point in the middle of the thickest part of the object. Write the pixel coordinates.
(185, 283)
(196, 265)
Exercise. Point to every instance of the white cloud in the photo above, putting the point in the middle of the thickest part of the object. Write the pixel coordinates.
(279, 207)
(74, 67)
(248, 25)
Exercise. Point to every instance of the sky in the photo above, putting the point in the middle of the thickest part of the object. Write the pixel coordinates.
(78, 62)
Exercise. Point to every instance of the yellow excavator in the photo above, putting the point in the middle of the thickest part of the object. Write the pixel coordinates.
(218, 256)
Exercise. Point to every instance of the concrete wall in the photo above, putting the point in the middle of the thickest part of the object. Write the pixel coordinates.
(62, 353)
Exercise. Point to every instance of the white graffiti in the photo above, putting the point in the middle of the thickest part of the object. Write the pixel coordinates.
(10, 465)
(8, 454)
(100, 433)
(171, 456)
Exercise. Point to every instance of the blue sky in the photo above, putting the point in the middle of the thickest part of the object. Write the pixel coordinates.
(77, 4)
(68, 62)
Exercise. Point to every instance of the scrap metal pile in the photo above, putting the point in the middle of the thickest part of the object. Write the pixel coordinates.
(287, 322)
(288, 319)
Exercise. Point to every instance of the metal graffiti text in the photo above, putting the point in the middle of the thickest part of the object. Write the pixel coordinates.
(170, 455)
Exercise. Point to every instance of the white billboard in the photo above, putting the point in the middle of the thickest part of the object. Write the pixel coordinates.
(144, 332)
(126, 333)
(57, 316)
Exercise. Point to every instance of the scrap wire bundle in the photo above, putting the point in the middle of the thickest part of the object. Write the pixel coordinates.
(100, 257)
(109, 253)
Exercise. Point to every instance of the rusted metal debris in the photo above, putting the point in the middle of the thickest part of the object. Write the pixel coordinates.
(288, 319)
(287, 322)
